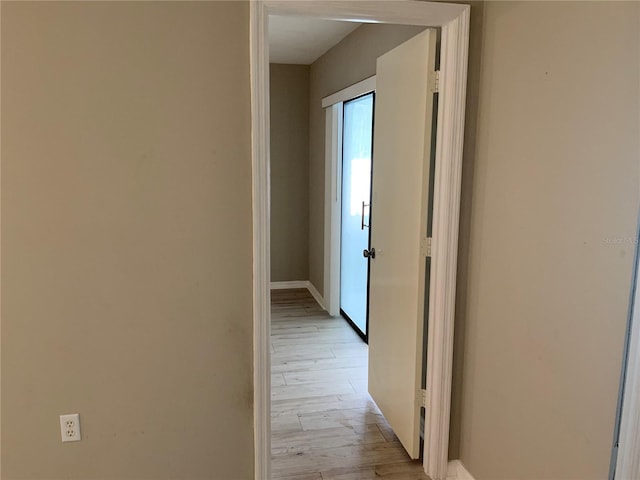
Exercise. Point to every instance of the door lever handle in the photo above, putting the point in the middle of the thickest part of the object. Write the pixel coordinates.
(371, 253)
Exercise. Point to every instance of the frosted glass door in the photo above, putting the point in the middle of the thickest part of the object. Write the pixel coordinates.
(356, 210)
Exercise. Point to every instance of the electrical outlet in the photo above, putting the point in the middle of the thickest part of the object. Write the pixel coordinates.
(70, 427)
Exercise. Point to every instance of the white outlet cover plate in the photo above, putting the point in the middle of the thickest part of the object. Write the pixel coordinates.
(70, 427)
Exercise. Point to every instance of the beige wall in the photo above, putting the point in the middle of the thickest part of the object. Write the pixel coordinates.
(289, 86)
(125, 154)
(126, 240)
(556, 174)
(350, 61)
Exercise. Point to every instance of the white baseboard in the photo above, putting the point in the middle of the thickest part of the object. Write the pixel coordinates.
(457, 471)
(288, 285)
(314, 292)
(301, 284)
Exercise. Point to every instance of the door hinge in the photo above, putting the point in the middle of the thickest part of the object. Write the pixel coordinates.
(422, 398)
(435, 81)
(425, 247)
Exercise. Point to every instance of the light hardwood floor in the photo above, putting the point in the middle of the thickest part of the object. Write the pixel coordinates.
(324, 424)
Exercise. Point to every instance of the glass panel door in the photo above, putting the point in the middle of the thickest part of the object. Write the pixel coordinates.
(357, 141)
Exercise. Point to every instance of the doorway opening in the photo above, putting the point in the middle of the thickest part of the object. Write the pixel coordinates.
(314, 357)
(450, 109)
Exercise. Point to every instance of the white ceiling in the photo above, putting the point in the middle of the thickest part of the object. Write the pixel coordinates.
(302, 40)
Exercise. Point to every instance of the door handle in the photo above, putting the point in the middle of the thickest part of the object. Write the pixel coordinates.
(362, 224)
(371, 253)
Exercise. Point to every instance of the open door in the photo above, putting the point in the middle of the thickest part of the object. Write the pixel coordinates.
(402, 149)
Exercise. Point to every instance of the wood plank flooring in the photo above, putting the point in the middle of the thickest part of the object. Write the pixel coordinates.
(324, 424)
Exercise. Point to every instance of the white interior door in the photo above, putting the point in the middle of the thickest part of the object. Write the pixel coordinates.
(401, 157)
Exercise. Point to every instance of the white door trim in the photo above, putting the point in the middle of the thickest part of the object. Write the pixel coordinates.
(454, 20)
(454, 51)
(357, 89)
(332, 206)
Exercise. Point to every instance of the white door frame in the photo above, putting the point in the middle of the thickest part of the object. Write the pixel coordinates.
(454, 21)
